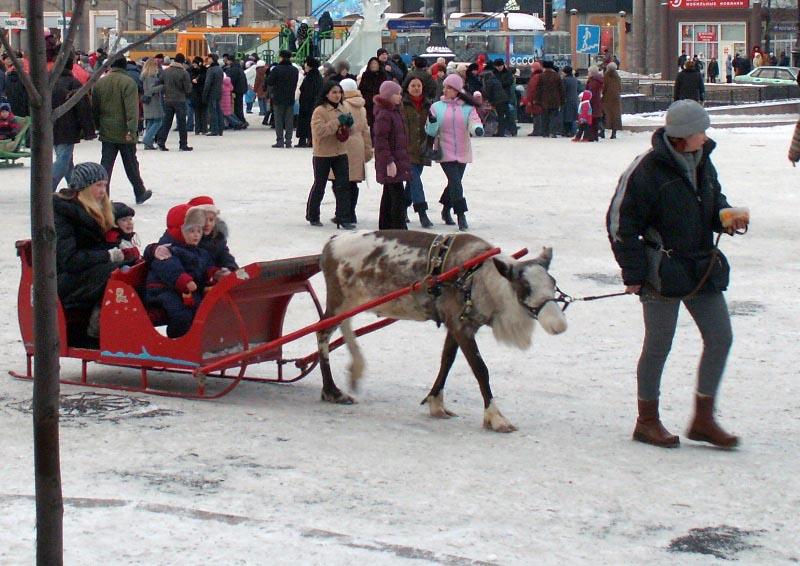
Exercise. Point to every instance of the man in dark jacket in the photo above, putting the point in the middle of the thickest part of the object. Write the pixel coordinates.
(177, 86)
(689, 84)
(212, 95)
(508, 82)
(664, 214)
(16, 94)
(70, 128)
(550, 97)
(115, 107)
(495, 95)
(234, 70)
(282, 82)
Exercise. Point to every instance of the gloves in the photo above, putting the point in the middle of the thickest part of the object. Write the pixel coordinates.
(188, 299)
(391, 170)
(432, 118)
(346, 120)
(131, 254)
(115, 255)
(479, 131)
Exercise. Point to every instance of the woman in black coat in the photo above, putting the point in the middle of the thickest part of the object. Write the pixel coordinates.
(371, 80)
(197, 72)
(72, 127)
(84, 260)
(310, 90)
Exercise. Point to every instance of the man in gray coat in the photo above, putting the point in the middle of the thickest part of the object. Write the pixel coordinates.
(177, 86)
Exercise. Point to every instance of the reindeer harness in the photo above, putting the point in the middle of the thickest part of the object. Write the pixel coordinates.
(437, 257)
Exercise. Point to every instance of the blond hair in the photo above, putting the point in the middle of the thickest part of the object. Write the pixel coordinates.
(150, 68)
(101, 211)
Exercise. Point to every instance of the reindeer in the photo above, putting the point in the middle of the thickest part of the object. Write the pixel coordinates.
(504, 293)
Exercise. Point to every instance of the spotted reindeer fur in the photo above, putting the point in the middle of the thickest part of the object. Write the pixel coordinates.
(362, 266)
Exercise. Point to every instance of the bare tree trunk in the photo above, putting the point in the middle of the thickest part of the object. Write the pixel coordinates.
(49, 504)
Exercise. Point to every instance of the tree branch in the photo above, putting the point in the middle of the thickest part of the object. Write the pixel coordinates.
(84, 90)
(33, 95)
(66, 45)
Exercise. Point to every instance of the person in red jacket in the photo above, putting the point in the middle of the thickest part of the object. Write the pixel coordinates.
(392, 162)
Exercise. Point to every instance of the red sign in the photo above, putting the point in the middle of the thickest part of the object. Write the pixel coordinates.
(713, 4)
(707, 36)
(160, 22)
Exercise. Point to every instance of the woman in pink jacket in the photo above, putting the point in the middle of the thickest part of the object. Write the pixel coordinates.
(452, 120)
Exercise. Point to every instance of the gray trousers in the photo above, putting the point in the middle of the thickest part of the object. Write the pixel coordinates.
(284, 122)
(710, 314)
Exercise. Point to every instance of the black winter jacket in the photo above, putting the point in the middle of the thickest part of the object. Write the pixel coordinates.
(282, 82)
(77, 124)
(238, 78)
(310, 89)
(16, 95)
(212, 89)
(689, 84)
(654, 192)
(493, 90)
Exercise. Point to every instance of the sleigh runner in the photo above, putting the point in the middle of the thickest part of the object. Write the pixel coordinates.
(238, 324)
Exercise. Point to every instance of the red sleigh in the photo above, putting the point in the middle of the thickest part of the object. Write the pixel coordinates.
(238, 324)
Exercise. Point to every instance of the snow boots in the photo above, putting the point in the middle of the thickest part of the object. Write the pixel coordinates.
(446, 216)
(705, 429)
(649, 428)
(462, 222)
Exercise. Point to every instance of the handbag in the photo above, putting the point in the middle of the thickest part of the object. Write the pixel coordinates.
(430, 149)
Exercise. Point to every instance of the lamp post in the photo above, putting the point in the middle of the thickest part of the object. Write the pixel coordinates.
(623, 51)
(573, 33)
(437, 42)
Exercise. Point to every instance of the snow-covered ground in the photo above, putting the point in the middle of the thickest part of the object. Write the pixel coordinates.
(270, 475)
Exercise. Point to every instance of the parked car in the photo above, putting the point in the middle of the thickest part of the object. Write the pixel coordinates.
(784, 76)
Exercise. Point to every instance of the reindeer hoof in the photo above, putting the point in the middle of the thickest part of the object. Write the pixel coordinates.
(337, 397)
(437, 408)
(501, 427)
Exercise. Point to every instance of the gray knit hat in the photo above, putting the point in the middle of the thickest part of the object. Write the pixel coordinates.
(86, 174)
(685, 118)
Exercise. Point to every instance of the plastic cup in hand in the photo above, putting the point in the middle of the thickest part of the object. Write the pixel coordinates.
(727, 216)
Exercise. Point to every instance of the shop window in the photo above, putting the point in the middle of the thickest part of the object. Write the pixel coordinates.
(732, 32)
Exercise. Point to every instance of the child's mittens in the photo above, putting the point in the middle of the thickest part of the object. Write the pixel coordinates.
(185, 283)
(116, 255)
(131, 254)
(188, 299)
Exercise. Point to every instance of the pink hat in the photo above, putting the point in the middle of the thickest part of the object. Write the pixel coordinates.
(454, 81)
(389, 88)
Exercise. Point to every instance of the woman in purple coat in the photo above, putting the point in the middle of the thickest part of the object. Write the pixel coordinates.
(392, 163)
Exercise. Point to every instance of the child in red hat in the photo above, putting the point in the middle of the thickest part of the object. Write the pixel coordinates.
(176, 284)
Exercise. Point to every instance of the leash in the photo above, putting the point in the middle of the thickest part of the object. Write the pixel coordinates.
(567, 300)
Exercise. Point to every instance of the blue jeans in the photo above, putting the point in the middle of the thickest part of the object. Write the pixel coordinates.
(262, 106)
(414, 190)
(189, 115)
(216, 121)
(152, 128)
(62, 168)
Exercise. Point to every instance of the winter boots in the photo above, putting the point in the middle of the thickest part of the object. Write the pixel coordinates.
(446, 216)
(705, 429)
(649, 428)
(424, 221)
(462, 222)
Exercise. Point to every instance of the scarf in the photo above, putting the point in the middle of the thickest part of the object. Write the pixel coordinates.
(417, 101)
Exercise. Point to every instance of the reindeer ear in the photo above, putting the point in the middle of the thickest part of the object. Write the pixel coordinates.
(505, 269)
(545, 257)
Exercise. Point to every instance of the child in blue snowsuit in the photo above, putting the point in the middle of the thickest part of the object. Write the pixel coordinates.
(176, 284)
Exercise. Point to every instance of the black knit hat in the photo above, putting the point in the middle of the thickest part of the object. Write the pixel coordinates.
(122, 210)
(87, 174)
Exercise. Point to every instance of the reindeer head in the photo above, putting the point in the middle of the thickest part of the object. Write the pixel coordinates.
(535, 289)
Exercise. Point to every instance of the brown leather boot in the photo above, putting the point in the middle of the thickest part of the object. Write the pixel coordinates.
(705, 429)
(649, 428)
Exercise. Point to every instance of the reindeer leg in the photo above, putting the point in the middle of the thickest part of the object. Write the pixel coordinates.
(492, 417)
(330, 392)
(435, 398)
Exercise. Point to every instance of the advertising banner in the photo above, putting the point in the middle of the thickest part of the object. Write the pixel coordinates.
(14, 23)
(706, 4)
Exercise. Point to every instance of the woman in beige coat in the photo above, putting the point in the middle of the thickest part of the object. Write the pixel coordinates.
(330, 128)
(359, 145)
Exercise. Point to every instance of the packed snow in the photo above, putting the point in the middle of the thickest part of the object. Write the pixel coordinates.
(271, 475)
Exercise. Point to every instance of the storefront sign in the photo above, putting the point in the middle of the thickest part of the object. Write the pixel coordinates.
(712, 4)
(161, 22)
(707, 36)
(400, 24)
(64, 22)
(14, 23)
